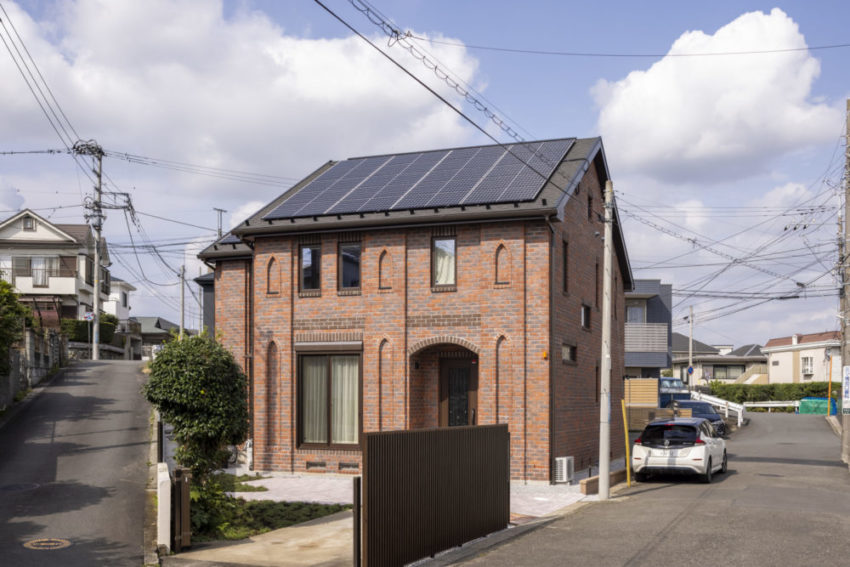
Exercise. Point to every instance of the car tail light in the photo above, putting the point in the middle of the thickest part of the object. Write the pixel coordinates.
(699, 442)
(637, 441)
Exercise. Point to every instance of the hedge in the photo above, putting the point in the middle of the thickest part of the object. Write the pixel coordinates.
(740, 393)
(78, 331)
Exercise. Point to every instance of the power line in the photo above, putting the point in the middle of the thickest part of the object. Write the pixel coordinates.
(623, 55)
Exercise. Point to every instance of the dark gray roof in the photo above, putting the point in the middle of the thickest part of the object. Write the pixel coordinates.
(680, 344)
(79, 232)
(747, 350)
(206, 279)
(156, 325)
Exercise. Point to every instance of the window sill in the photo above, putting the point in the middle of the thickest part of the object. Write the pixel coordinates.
(352, 291)
(501, 285)
(328, 447)
(443, 288)
(310, 293)
(385, 290)
(273, 293)
(569, 362)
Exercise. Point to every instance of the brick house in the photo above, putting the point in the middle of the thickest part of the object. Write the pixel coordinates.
(451, 287)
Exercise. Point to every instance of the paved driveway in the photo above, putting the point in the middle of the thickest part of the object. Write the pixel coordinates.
(784, 501)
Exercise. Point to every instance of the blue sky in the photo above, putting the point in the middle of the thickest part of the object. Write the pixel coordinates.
(725, 167)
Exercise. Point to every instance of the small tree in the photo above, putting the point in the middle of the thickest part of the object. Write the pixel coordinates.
(12, 315)
(201, 391)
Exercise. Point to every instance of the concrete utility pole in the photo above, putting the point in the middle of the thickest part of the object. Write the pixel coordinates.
(220, 212)
(690, 345)
(182, 297)
(96, 218)
(845, 281)
(605, 366)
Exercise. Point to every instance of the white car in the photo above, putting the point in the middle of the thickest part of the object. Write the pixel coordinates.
(679, 445)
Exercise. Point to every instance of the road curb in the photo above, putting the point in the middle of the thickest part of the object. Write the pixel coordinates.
(150, 525)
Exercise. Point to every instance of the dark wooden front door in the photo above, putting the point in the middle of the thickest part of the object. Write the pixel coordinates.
(458, 392)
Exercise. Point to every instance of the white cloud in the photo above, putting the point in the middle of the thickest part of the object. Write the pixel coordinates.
(716, 118)
(10, 198)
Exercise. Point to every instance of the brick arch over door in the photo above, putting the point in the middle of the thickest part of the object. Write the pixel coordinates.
(442, 339)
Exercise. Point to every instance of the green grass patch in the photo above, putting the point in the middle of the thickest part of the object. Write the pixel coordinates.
(216, 516)
(233, 483)
(22, 394)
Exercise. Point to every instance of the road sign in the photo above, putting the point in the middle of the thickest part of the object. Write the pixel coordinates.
(89, 316)
(690, 370)
(845, 390)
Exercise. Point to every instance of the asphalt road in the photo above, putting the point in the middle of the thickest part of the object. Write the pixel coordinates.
(785, 501)
(73, 467)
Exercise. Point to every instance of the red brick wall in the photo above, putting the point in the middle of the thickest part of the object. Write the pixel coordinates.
(576, 386)
(505, 324)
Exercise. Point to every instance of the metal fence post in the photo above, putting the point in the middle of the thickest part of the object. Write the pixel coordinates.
(356, 509)
(182, 511)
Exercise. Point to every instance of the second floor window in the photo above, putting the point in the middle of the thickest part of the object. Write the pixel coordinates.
(443, 261)
(29, 223)
(635, 311)
(808, 365)
(349, 265)
(311, 262)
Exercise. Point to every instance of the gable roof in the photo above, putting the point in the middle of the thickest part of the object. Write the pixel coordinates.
(803, 339)
(156, 325)
(69, 232)
(747, 350)
(493, 183)
(680, 344)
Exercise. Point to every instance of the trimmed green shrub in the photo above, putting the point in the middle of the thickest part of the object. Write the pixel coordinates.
(740, 393)
(78, 331)
(201, 391)
(12, 316)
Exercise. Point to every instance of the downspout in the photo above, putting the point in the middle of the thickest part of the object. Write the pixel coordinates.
(525, 352)
(293, 358)
(552, 347)
(249, 345)
(406, 356)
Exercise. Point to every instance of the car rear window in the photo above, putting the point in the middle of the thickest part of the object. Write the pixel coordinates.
(676, 434)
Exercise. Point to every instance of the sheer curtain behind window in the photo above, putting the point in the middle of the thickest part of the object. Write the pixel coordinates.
(314, 386)
(444, 261)
(344, 401)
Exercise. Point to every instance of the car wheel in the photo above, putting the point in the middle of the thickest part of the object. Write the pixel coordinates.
(706, 478)
(725, 466)
(640, 477)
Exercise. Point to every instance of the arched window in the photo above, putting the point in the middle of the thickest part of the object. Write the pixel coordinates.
(273, 277)
(385, 271)
(272, 373)
(503, 265)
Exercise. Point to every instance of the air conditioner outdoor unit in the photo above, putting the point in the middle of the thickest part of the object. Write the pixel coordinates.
(564, 470)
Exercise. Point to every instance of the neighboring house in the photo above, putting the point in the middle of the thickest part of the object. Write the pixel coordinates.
(128, 330)
(744, 364)
(416, 290)
(804, 358)
(649, 339)
(51, 266)
(156, 331)
(207, 284)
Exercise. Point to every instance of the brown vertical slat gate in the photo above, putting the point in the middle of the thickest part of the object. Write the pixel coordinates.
(428, 490)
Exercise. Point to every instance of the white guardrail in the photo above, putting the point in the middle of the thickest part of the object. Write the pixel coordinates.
(725, 405)
(795, 403)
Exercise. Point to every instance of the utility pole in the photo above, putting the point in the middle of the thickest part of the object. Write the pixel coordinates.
(96, 218)
(220, 212)
(182, 297)
(845, 281)
(690, 345)
(605, 366)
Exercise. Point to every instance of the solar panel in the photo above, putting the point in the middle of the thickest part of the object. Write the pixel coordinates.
(444, 178)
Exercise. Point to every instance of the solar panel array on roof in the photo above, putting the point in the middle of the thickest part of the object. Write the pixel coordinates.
(442, 178)
(230, 239)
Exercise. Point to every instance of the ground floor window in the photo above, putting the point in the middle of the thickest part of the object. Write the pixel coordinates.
(329, 399)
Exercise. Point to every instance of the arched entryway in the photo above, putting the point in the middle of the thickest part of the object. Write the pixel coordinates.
(444, 385)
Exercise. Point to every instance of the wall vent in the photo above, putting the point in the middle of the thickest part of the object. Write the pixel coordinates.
(564, 470)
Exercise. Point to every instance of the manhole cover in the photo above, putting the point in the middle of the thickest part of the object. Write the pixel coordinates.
(47, 544)
(20, 487)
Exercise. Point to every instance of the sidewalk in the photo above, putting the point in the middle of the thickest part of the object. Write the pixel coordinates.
(328, 541)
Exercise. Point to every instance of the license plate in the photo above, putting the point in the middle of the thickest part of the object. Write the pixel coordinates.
(668, 452)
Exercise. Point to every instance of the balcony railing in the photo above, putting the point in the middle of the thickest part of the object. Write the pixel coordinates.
(646, 337)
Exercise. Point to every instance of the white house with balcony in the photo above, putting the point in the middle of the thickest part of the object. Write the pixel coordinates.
(648, 329)
(804, 358)
(51, 266)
